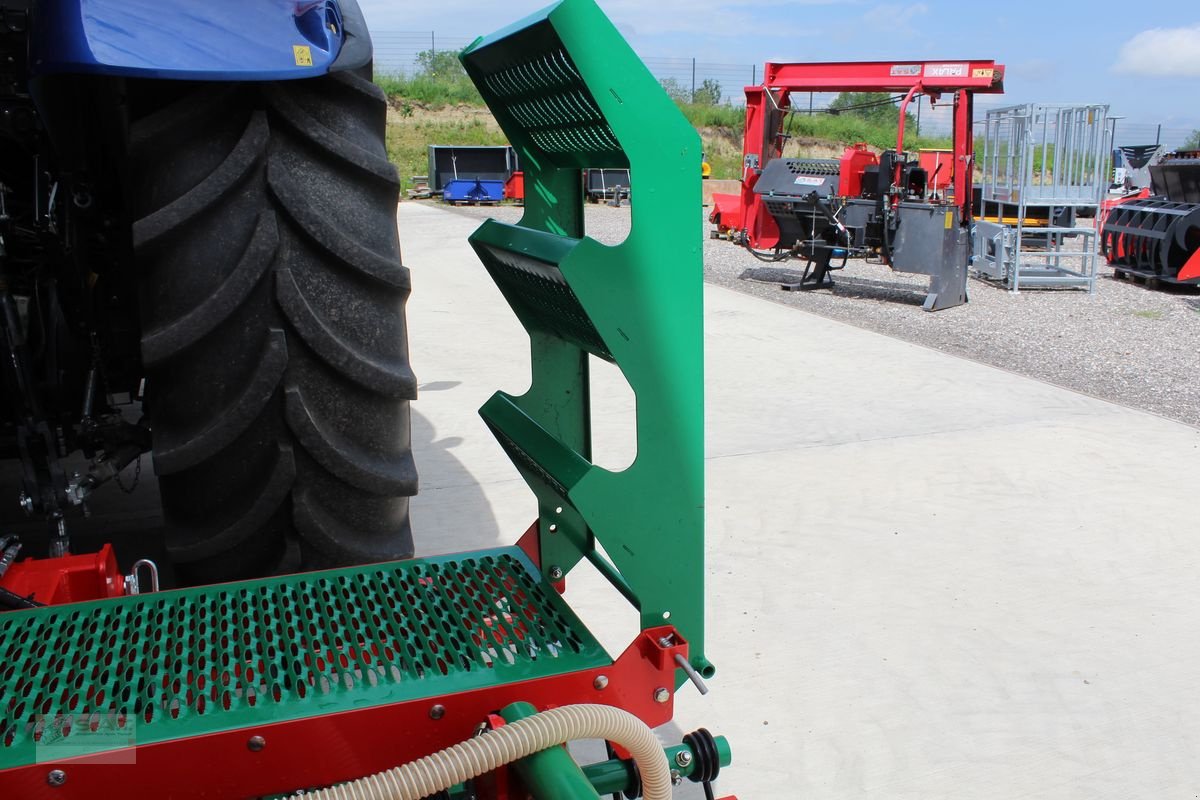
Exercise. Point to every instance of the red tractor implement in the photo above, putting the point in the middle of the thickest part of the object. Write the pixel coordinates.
(1157, 237)
(821, 210)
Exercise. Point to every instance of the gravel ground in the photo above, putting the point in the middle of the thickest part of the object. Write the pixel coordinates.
(1125, 343)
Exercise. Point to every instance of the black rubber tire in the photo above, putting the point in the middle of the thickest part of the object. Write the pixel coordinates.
(274, 340)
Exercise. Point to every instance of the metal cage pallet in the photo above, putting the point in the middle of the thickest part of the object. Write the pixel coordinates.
(1041, 165)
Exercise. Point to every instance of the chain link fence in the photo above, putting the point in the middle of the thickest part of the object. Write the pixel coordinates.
(397, 53)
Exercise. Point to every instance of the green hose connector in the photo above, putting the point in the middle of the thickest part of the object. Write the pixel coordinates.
(614, 776)
(551, 773)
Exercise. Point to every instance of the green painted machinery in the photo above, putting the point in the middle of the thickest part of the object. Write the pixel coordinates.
(571, 94)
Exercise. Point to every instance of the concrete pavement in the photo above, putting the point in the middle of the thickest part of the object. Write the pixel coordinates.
(927, 577)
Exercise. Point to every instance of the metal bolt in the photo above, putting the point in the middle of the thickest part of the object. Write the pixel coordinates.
(556, 573)
(256, 744)
(26, 503)
(676, 778)
(601, 682)
(437, 712)
(684, 758)
(56, 777)
(661, 695)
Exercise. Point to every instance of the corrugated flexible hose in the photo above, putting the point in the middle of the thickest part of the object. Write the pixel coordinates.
(512, 742)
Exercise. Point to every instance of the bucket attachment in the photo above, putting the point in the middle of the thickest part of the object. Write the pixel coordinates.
(1154, 238)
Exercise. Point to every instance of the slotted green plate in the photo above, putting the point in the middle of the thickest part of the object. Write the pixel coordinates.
(199, 661)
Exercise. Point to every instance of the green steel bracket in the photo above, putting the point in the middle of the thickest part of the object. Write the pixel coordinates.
(571, 94)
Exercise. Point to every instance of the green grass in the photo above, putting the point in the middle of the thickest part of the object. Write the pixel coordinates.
(721, 126)
(1148, 314)
(407, 144)
(847, 129)
(429, 91)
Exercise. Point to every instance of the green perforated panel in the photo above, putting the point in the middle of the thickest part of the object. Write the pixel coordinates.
(540, 296)
(547, 97)
(199, 661)
(570, 94)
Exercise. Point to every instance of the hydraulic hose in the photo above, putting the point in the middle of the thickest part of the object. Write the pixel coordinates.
(511, 742)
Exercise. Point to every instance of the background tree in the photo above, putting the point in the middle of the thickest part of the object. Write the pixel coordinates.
(1193, 141)
(443, 64)
(878, 107)
(709, 93)
(440, 76)
(678, 92)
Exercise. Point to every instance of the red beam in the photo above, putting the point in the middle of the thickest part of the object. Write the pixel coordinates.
(280, 757)
(886, 76)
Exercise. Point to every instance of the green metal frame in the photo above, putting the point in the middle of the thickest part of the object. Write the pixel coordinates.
(571, 94)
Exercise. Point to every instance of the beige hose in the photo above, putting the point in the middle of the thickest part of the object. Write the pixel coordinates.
(512, 742)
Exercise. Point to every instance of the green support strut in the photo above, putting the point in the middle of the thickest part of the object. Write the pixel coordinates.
(570, 94)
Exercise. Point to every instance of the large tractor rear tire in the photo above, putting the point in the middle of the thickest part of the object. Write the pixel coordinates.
(272, 302)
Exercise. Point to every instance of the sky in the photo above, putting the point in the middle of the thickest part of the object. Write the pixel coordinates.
(1145, 66)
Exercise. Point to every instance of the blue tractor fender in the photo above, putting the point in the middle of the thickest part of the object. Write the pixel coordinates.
(210, 40)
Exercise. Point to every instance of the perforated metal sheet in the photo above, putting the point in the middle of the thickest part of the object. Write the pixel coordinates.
(185, 663)
(547, 96)
(541, 296)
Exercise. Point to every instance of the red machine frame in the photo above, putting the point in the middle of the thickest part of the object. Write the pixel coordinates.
(766, 108)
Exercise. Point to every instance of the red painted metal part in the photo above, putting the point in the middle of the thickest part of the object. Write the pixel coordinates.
(766, 106)
(939, 166)
(1191, 268)
(886, 76)
(69, 579)
(855, 160)
(726, 213)
(964, 152)
(1106, 207)
(514, 187)
(319, 751)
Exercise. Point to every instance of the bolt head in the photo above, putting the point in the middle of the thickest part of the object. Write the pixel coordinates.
(437, 712)
(676, 778)
(56, 777)
(256, 743)
(661, 695)
(684, 758)
(601, 683)
(556, 573)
